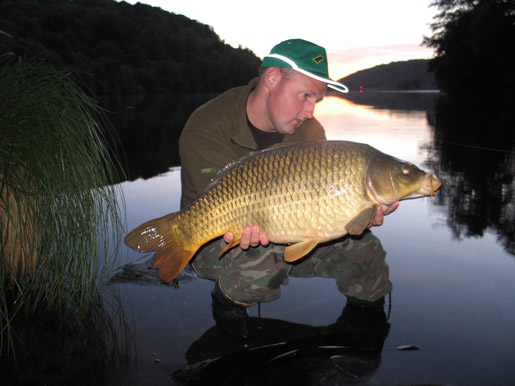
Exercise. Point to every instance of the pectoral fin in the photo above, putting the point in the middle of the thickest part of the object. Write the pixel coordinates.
(298, 250)
(358, 224)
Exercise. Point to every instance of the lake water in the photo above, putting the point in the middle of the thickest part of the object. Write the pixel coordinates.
(451, 261)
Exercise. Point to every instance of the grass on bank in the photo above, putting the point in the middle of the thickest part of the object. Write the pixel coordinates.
(58, 207)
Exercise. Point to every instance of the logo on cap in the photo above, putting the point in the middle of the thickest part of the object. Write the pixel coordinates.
(318, 59)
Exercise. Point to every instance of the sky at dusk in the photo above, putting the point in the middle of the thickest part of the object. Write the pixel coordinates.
(357, 34)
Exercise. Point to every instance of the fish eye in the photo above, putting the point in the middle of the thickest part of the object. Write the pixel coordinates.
(406, 171)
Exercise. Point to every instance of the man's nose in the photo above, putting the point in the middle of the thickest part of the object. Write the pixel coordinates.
(309, 108)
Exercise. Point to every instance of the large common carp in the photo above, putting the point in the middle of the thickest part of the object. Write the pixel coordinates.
(300, 194)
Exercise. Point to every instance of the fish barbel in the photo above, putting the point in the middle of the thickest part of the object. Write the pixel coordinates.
(300, 194)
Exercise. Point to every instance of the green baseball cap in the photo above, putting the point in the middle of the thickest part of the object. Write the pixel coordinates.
(304, 57)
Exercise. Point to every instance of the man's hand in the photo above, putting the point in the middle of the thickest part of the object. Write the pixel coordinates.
(379, 217)
(251, 237)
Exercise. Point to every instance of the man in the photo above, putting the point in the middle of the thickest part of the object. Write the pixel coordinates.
(275, 108)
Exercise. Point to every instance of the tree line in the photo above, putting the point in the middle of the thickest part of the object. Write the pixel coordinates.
(117, 48)
(474, 42)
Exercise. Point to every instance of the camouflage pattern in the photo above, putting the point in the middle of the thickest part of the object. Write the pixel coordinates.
(255, 275)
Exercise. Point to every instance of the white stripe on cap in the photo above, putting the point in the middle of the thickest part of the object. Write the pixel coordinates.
(331, 83)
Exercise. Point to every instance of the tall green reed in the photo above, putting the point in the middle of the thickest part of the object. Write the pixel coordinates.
(58, 207)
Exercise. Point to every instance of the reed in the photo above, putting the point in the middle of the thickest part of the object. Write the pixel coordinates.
(58, 205)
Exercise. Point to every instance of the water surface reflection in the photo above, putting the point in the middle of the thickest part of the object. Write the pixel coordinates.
(475, 155)
(347, 351)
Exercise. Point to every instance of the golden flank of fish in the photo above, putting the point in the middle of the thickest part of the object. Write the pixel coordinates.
(301, 194)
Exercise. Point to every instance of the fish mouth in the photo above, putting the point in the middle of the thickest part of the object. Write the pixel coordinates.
(429, 186)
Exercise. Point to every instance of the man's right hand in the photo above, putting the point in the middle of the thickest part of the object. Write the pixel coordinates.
(251, 237)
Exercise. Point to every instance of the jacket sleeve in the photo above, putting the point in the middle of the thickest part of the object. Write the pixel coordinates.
(195, 164)
(202, 154)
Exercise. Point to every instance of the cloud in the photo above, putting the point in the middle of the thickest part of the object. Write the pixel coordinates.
(401, 50)
(349, 60)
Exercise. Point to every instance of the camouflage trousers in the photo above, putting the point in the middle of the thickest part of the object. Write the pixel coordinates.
(255, 275)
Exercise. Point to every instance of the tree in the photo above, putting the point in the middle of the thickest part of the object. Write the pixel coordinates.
(159, 51)
(473, 42)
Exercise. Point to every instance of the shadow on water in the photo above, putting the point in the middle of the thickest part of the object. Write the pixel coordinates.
(474, 155)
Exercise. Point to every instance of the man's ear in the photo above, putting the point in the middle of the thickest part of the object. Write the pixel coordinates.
(272, 77)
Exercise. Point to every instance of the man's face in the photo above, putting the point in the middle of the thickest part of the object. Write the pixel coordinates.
(293, 100)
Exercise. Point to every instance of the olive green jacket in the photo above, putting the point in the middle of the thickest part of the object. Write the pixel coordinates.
(217, 133)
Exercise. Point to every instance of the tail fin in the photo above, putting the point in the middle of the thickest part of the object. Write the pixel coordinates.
(157, 235)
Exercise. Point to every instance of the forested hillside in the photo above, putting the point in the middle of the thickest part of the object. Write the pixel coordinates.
(114, 48)
(118, 48)
(406, 75)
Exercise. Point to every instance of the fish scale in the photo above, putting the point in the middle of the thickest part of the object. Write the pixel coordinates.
(299, 194)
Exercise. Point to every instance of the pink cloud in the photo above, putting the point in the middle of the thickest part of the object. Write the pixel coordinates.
(360, 53)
